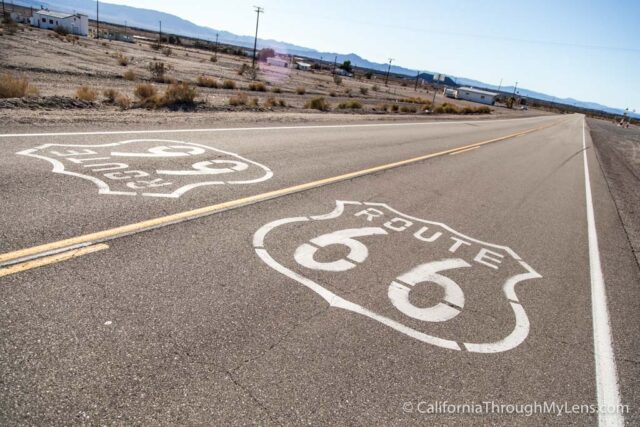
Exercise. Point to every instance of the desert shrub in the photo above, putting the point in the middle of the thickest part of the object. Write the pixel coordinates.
(157, 70)
(179, 94)
(167, 51)
(145, 91)
(205, 81)
(243, 68)
(61, 30)
(337, 80)
(71, 38)
(129, 75)
(110, 95)
(475, 110)
(364, 90)
(238, 99)
(270, 102)
(415, 100)
(254, 102)
(395, 108)
(282, 103)
(85, 93)
(213, 59)
(404, 84)
(276, 90)
(123, 102)
(332, 93)
(155, 46)
(375, 88)
(229, 84)
(408, 109)
(122, 59)
(300, 90)
(257, 87)
(447, 108)
(368, 75)
(353, 105)
(15, 87)
(384, 107)
(318, 103)
(347, 91)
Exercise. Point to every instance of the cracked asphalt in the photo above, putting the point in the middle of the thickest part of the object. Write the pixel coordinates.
(461, 278)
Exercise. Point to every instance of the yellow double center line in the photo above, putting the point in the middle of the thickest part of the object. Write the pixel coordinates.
(53, 248)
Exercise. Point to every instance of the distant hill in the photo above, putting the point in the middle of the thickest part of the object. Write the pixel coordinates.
(148, 19)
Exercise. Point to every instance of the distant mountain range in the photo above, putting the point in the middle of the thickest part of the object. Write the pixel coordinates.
(148, 19)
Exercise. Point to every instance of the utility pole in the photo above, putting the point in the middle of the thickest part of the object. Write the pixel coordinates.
(416, 86)
(386, 79)
(215, 55)
(126, 30)
(160, 33)
(258, 10)
(515, 88)
(335, 62)
(500, 85)
(97, 18)
(4, 13)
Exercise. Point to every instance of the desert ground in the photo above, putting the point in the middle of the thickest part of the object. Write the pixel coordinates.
(57, 66)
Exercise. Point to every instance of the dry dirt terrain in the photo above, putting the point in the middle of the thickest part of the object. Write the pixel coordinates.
(619, 154)
(57, 66)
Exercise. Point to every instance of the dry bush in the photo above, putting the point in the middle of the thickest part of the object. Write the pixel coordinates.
(258, 87)
(353, 105)
(123, 102)
(282, 103)
(122, 59)
(318, 103)
(276, 90)
(347, 92)
(243, 68)
(395, 108)
(61, 30)
(15, 87)
(213, 59)
(408, 109)
(85, 93)
(447, 108)
(157, 70)
(332, 93)
(110, 95)
(229, 84)
(129, 75)
(270, 102)
(384, 107)
(179, 94)
(145, 92)
(300, 90)
(204, 81)
(71, 38)
(337, 80)
(364, 90)
(167, 51)
(238, 99)
(254, 102)
(375, 88)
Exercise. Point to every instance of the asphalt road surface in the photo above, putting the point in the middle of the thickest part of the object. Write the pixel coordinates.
(405, 274)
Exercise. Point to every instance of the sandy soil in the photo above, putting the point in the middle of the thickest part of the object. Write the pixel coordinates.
(58, 67)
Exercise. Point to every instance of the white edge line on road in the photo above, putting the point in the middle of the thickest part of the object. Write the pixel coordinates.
(125, 132)
(606, 372)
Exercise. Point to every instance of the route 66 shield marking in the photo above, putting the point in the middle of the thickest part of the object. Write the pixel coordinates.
(421, 278)
(150, 167)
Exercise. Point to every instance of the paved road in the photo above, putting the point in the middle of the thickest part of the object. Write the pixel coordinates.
(354, 288)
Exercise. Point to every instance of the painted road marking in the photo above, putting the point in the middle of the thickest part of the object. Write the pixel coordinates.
(126, 230)
(606, 372)
(369, 235)
(156, 131)
(51, 259)
(121, 168)
(463, 151)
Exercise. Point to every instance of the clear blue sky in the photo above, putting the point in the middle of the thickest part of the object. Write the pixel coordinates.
(588, 49)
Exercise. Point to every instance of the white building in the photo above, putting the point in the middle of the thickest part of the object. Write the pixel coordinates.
(304, 66)
(476, 95)
(278, 62)
(74, 23)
